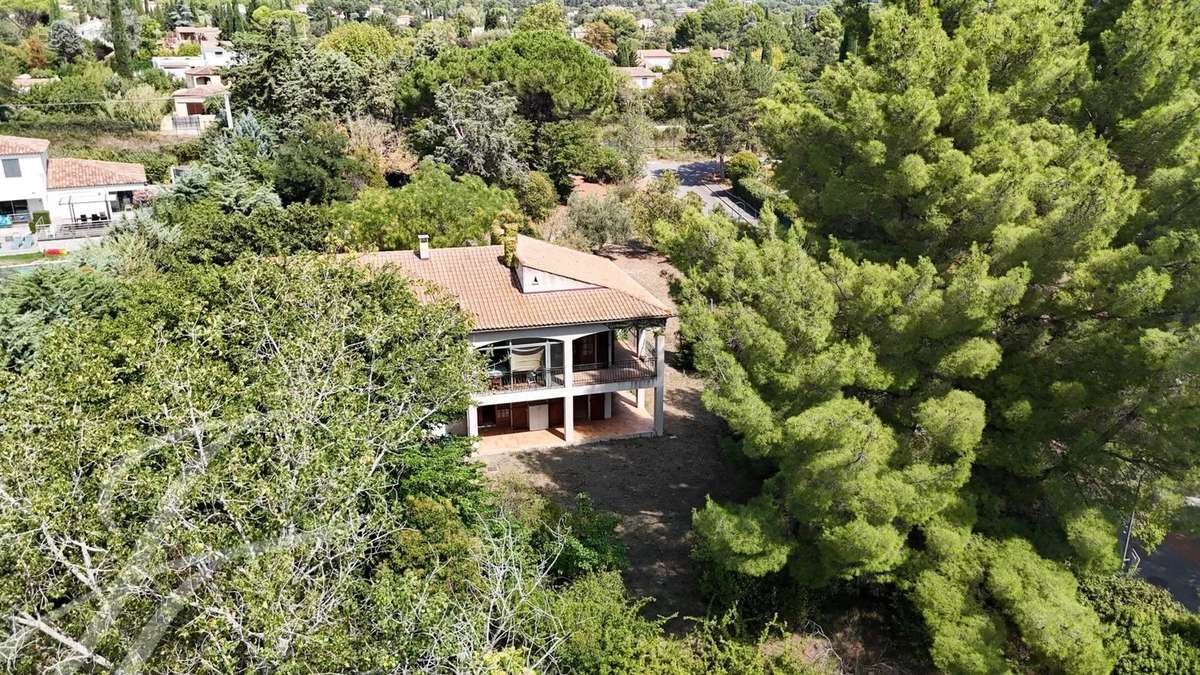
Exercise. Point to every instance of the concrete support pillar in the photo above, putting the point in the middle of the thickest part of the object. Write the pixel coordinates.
(569, 399)
(639, 395)
(472, 420)
(608, 403)
(660, 381)
(569, 418)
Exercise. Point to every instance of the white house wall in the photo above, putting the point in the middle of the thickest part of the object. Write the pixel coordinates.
(32, 182)
(538, 281)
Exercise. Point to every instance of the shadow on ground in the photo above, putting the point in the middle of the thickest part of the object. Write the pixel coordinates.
(652, 484)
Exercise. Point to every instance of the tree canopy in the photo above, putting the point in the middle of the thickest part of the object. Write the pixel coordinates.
(972, 356)
(453, 211)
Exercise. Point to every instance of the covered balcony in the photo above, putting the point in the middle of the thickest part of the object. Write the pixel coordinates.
(527, 364)
(548, 384)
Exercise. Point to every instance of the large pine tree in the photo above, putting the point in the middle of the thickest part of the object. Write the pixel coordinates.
(976, 352)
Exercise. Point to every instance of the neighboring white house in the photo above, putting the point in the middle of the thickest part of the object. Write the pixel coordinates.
(188, 115)
(640, 77)
(660, 59)
(573, 344)
(24, 82)
(205, 36)
(59, 193)
(646, 24)
(578, 32)
(92, 29)
(177, 66)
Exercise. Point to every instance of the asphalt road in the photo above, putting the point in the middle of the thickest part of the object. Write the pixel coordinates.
(701, 178)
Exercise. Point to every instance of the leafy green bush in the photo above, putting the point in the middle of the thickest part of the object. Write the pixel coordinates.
(537, 196)
(210, 234)
(600, 220)
(589, 541)
(757, 192)
(741, 166)
(1152, 632)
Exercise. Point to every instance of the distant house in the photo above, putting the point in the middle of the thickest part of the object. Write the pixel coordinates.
(91, 30)
(64, 194)
(640, 77)
(646, 24)
(572, 344)
(177, 66)
(201, 76)
(24, 82)
(579, 32)
(654, 58)
(719, 54)
(189, 115)
(205, 36)
(404, 20)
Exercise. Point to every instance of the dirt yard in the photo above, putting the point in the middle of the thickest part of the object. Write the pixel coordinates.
(651, 483)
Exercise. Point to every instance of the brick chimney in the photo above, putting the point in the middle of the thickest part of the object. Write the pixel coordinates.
(423, 246)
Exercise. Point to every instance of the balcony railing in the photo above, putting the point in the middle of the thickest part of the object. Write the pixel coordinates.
(619, 371)
(545, 378)
(524, 381)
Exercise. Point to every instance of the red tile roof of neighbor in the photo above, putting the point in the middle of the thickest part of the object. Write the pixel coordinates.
(490, 293)
(205, 90)
(70, 173)
(19, 145)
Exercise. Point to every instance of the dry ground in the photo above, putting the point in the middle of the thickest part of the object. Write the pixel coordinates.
(652, 484)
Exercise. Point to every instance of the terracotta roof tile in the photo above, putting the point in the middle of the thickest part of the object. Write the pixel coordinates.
(489, 292)
(205, 90)
(69, 173)
(19, 145)
(636, 71)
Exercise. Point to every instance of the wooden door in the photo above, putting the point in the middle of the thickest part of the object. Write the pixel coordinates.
(503, 416)
(195, 108)
(596, 407)
(520, 416)
(556, 412)
(580, 404)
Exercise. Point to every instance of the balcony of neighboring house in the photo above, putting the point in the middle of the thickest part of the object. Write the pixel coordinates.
(88, 217)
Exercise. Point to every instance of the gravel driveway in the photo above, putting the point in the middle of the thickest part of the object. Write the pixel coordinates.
(652, 484)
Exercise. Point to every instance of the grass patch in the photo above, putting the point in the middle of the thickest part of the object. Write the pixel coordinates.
(25, 258)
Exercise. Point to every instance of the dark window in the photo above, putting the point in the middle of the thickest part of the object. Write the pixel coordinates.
(14, 208)
(12, 168)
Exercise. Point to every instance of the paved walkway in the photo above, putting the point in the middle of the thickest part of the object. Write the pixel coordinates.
(627, 421)
(701, 178)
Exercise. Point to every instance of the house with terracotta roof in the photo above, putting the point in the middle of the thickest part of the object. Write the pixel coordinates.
(574, 346)
(640, 77)
(659, 59)
(205, 36)
(57, 194)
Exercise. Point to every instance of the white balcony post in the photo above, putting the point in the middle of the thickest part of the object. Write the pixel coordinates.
(660, 381)
(569, 387)
(472, 420)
